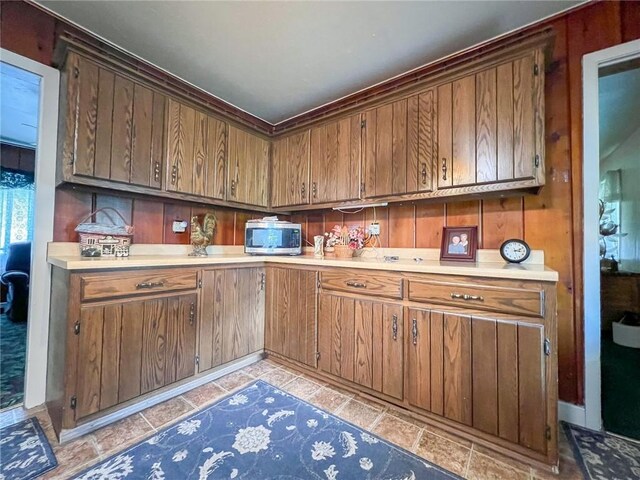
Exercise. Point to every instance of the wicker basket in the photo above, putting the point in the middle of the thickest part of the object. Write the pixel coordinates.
(107, 240)
(343, 251)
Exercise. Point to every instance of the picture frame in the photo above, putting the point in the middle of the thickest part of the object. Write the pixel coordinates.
(459, 244)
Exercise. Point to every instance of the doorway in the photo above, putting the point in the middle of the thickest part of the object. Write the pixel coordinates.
(619, 231)
(610, 180)
(43, 151)
(19, 112)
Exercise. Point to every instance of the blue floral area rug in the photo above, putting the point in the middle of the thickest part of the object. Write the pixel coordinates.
(264, 433)
(25, 452)
(602, 456)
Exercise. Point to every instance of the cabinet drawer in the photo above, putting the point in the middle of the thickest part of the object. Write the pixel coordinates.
(501, 299)
(96, 287)
(367, 283)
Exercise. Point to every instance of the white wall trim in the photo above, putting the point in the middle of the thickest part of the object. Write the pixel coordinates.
(568, 412)
(45, 169)
(591, 64)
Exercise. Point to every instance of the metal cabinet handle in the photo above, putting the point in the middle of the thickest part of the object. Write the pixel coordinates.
(394, 326)
(303, 190)
(156, 171)
(174, 174)
(76, 72)
(414, 331)
(233, 188)
(424, 173)
(356, 284)
(466, 296)
(444, 168)
(314, 189)
(192, 313)
(143, 285)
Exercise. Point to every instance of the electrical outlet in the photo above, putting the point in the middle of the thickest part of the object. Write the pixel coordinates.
(374, 228)
(179, 226)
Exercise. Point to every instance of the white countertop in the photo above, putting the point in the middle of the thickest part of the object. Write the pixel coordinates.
(66, 256)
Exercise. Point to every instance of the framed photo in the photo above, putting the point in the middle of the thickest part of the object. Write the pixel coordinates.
(459, 244)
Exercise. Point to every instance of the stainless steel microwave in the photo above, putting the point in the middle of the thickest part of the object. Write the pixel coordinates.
(272, 237)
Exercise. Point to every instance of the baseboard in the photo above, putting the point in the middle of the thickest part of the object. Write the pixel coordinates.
(570, 413)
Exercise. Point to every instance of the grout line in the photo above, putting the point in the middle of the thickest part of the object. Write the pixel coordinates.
(466, 468)
(189, 402)
(376, 421)
(416, 442)
(148, 422)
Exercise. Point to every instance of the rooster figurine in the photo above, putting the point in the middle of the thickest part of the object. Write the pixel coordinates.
(202, 235)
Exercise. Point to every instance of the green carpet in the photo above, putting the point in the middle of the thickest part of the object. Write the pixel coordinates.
(620, 388)
(13, 347)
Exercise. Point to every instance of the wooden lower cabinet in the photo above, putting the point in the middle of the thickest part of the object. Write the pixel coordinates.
(130, 348)
(479, 371)
(232, 315)
(362, 341)
(290, 329)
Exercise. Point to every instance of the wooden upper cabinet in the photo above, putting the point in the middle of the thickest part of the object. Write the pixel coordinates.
(399, 146)
(114, 126)
(490, 126)
(196, 152)
(290, 170)
(248, 168)
(335, 161)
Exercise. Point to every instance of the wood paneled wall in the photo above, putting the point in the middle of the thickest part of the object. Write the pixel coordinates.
(551, 221)
(17, 158)
(152, 218)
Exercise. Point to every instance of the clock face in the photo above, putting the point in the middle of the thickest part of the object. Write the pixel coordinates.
(515, 251)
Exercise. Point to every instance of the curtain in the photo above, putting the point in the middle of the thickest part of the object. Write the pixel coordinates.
(17, 198)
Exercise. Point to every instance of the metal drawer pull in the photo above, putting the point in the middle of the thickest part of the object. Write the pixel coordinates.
(192, 313)
(414, 331)
(466, 296)
(174, 174)
(142, 285)
(424, 173)
(356, 284)
(394, 327)
(444, 169)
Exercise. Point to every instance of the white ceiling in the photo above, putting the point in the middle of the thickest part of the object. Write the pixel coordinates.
(19, 103)
(619, 109)
(279, 59)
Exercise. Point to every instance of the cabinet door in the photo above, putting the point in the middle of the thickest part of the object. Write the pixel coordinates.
(490, 125)
(362, 341)
(479, 371)
(335, 161)
(399, 147)
(115, 126)
(196, 152)
(232, 315)
(248, 175)
(290, 170)
(290, 328)
(147, 137)
(131, 348)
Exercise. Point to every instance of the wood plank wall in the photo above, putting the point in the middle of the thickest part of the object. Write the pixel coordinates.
(152, 218)
(550, 221)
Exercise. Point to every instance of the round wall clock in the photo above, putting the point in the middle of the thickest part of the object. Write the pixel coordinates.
(515, 250)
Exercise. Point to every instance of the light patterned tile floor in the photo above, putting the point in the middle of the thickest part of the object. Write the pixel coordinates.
(442, 448)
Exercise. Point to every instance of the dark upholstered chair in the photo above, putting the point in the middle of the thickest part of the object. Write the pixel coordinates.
(16, 278)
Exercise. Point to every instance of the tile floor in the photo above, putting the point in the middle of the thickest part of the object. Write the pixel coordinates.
(455, 454)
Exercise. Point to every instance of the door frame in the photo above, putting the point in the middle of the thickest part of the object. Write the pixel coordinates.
(591, 64)
(40, 276)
